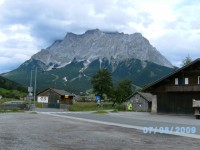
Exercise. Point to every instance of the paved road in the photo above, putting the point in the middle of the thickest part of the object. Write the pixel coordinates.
(26, 131)
(149, 123)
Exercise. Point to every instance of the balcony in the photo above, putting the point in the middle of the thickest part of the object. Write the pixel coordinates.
(183, 88)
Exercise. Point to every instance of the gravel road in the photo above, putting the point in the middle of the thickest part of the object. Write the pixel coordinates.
(26, 131)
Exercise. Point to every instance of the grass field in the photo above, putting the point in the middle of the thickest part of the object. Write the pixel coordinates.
(3, 100)
(92, 106)
(11, 111)
(89, 106)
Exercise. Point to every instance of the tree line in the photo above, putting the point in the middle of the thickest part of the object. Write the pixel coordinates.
(103, 86)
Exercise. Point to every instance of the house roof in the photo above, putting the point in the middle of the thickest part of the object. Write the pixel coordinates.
(147, 96)
(62, 92)
(58, 91)
(171, 74)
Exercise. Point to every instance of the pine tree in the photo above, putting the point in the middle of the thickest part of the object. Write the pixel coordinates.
(122, 91)
(186, 61)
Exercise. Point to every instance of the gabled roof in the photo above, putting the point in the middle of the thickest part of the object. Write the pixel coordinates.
(146, 96)
(58, 91)
(62, 92)
(173, 73)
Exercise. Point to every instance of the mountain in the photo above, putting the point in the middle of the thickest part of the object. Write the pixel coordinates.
(78, 57)
(95, 44)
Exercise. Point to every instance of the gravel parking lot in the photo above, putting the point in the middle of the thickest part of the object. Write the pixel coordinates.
(26, 131)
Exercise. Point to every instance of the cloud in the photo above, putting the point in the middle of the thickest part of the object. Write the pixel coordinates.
(172, 26)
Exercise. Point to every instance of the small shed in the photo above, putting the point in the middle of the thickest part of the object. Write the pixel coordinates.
(140, 101)
(55, 98)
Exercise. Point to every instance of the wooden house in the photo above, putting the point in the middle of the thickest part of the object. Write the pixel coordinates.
(176, 91)
(140, 101)
(56, 97)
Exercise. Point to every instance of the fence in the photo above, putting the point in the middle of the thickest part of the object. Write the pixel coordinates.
(15, 107)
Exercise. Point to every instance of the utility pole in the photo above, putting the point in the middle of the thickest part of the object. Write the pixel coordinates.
(35, 86)
(30, 88)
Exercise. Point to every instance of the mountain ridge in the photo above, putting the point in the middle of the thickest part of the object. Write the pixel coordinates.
(78, 57)
(96, 44)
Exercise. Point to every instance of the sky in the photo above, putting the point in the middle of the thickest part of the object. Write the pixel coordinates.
(27, 26)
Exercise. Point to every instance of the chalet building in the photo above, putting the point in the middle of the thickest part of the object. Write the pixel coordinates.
(140, 101)
(56, 98)
(176, 91)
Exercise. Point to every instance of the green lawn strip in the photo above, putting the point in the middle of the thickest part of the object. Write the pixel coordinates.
(101, 112)
(11, 111)
(3, 100)
(33, 112)
(92, 106)
(88, 106)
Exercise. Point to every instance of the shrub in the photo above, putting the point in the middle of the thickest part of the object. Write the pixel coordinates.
(120, 107)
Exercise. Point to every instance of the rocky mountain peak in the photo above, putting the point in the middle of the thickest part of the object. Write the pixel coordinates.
(94, 31)
(96, 44)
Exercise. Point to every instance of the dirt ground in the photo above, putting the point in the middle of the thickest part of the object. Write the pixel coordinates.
(26, 131)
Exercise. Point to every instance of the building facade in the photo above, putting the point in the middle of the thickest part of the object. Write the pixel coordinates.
(56, 98)
(140, 101)
(176, 91)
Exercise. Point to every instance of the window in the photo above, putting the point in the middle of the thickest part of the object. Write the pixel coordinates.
(186, 81)
(176, 81)
(198, 79)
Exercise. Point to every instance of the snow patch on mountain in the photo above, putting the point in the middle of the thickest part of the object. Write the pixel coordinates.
(95, 44)
(86, 64)
(65, 79)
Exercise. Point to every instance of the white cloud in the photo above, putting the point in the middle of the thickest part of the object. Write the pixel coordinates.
(1, 2)
(172, 26)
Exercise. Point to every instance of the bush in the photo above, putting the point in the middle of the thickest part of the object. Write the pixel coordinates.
(107, 105)
(38, 105)
(120, 107)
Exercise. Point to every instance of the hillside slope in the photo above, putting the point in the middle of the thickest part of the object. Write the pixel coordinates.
(11, 89)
